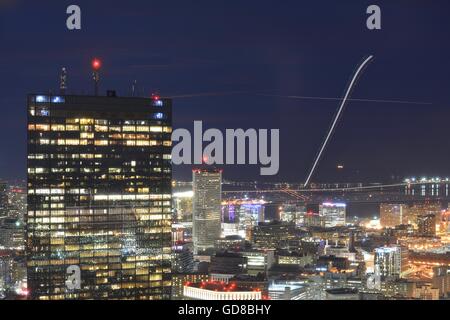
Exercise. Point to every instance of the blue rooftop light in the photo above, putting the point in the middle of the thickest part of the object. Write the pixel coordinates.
(158, 115)
(158, 103)
(58, 99)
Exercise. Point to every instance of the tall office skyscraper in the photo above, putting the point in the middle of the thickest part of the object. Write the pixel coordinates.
(333, 214)
(99, 197)
(3, 199)
(206, 208)
(392, 215)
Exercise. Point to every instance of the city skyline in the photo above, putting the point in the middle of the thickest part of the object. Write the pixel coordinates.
(224, 150)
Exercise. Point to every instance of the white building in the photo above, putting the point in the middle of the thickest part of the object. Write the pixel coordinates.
(219, 291)
(392, 260)
(287, 291)
(333, 214)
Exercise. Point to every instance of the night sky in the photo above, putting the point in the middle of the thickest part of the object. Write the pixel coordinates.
(239, 53)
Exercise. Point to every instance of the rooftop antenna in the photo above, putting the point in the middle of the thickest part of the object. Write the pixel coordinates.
(96, 65)
(63, 81)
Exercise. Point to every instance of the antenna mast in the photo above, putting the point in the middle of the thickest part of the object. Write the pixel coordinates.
(96, 65)
(63, 81)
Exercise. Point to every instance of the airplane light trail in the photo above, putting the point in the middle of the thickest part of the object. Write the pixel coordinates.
(206, 94)
(344, 101)
(339, 99)
(229, 93)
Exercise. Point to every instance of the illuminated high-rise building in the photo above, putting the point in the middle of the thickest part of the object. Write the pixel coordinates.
(444, 227)
(11, 233)
(293, 213)
(392, 215)
(427, 225)
(17, 202)
(333, 214)
(273, 235)
(3, 198)
(392, 260)
(241, 216)
(99, 197)
(423, 208)
(206, 229)
(182, 206)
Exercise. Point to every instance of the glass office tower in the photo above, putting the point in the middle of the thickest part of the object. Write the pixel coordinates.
(3, 199)
(207, 185)
(99, 197)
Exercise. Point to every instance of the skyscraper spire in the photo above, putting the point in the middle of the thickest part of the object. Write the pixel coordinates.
(96, 65)
(63, 81)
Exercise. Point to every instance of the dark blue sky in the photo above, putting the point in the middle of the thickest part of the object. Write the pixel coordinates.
(288, 47)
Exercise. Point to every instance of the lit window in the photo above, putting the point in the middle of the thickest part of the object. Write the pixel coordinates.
(142, 128)
(115, 129)
(142, 142)
(101, 142)
(86, 121)
(129, 128)
(41, 99)
(43, 127)
(58, 127)
(86, 135)
(101, 128)
(43, 112)
(71, 127)
(156, 129)
(72, 142)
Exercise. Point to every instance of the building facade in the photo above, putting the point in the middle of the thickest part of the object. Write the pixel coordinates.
(271, 235)
(333, 214)
(392, 215)
(392, 260)
(239, 217)
(426, 225)
(206, 229)
(3, 199)
(99, 197)
(219, 291)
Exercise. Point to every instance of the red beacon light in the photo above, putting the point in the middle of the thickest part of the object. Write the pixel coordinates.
(96, 64)
(156, 96)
